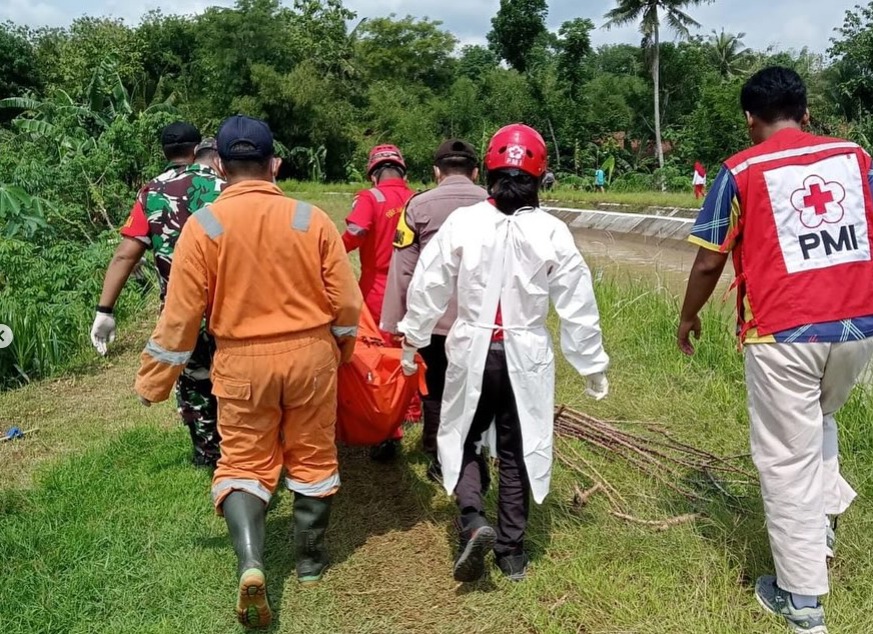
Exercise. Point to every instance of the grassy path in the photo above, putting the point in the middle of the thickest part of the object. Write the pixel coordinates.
(105, 528)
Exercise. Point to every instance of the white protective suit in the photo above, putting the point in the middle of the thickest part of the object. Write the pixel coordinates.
(519, 263)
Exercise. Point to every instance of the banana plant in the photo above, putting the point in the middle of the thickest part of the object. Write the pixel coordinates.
(21, 215)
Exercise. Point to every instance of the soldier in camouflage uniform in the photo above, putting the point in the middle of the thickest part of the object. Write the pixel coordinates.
(162, 207)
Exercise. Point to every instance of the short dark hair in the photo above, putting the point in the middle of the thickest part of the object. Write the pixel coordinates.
(388, 170)
(461, 165)
(512, 189)
(249, 166)
(175, 151)
(204, 153)
(775, 94)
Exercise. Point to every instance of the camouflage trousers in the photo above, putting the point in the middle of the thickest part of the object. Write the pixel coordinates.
(197, 406)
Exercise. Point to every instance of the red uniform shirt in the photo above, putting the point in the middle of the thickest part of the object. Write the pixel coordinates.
(371, 228)
(497, 335)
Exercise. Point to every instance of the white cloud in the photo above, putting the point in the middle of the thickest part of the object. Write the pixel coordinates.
(39, 13)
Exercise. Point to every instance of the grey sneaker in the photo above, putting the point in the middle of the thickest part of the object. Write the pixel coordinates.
(777, 601)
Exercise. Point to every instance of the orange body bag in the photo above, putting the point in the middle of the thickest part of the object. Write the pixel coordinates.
(372, 392)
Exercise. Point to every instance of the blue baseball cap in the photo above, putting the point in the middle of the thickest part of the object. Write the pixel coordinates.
(244, 138)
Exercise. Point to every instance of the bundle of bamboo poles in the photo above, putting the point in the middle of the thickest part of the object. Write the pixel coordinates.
(655, 454)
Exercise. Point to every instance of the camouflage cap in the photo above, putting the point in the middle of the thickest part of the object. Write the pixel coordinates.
(209, 143)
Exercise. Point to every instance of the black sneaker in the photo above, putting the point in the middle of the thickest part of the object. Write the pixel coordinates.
(385, 452)
(513, 566)
(474, 544)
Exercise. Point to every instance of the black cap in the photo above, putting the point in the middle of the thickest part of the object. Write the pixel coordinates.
(180, 132)
(455, 148)
(238, 130)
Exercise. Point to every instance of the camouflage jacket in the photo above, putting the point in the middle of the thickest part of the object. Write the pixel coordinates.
(163, 206)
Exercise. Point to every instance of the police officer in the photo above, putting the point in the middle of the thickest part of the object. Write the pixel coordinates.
(455, 171)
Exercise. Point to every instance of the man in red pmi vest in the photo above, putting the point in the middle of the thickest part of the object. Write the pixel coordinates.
(795, 211)
(371, 228)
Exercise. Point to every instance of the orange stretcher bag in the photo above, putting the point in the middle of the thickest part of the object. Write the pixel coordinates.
(372, 392)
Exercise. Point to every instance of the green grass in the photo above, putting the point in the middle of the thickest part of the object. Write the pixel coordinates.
(626, 201)
(104, 528)
(621, 201)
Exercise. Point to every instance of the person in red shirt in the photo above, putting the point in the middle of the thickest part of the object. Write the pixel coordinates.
(372, 226)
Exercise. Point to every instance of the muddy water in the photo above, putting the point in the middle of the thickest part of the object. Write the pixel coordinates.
(665, 262)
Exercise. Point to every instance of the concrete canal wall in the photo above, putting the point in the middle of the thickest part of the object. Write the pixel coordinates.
(658, 228)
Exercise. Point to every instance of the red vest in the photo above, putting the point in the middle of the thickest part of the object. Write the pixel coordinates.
(802, 244)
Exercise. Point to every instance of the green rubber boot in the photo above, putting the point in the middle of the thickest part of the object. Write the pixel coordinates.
(311, 517)
(245, 515)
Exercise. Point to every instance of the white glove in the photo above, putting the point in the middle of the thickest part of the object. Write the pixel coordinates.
(597, 386)
(103, 332)
(407, 361)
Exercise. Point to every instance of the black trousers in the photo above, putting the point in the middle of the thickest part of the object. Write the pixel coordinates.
(434, 357)
(497, 403)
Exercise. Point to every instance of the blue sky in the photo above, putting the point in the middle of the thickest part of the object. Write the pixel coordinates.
(785, 23)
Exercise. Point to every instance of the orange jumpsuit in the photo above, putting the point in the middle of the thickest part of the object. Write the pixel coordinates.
(282, 301)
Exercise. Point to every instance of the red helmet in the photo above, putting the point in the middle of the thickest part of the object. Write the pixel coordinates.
(382, 154)
(517, 146)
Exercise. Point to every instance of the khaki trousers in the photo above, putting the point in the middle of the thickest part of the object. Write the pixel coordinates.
(794, 390)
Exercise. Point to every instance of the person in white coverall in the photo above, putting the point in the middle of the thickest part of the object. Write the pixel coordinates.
(504, 259)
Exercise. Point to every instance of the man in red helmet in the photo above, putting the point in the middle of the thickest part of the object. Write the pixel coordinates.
(371, 228)
(503, 259)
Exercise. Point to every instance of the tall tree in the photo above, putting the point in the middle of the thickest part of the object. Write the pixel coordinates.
(728, 53)
(18, 65)
(574, 47)
(852, 74)
(649, 14)
(517, 30)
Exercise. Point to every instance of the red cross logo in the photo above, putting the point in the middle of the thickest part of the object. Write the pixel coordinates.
(819, 201)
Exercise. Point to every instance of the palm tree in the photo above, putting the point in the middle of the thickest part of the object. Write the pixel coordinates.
(649, 14)
(728, 53)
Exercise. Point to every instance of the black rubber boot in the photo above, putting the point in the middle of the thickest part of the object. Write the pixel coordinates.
(245, 515)
(311, 517)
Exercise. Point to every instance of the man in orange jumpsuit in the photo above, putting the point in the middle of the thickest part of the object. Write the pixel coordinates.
(372, 226)
(281, 301)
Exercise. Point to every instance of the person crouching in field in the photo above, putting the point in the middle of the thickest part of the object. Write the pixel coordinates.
(503, 259)
(796, 213)
(283, 305)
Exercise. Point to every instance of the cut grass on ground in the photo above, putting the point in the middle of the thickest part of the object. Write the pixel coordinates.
(114, 532)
